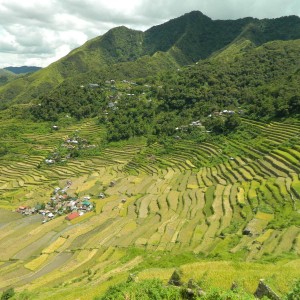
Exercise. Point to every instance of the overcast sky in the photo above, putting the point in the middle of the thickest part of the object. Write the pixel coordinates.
(38, 32)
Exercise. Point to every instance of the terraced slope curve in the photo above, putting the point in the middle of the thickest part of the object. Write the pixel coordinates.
(234, 200)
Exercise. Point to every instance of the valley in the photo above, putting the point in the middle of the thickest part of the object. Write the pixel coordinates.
(233, 205)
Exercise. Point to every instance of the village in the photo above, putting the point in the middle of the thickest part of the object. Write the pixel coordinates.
(61, 203)
(69, 146)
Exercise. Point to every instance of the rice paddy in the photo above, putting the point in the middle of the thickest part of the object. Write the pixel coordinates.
(195, 199)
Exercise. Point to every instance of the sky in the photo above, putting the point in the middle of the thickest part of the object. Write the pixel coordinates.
(39, 32)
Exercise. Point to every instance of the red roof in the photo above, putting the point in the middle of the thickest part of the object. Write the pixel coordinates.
(72, 216)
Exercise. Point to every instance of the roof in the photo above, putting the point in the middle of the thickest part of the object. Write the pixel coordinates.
(72, 216)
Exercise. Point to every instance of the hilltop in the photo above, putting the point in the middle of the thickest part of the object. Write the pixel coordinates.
(10, 73)
(23, 69)
(6, 76)
(125, 53)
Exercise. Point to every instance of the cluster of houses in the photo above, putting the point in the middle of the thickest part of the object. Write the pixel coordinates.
(221, 113)
(60, 203)
(74, 142)
(192, 124)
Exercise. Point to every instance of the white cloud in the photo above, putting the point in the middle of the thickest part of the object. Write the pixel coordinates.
(38, 32)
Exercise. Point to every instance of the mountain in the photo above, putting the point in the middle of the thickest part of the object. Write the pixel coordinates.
(188, 173)
(125, 53)
(6, 76)
(23, 69)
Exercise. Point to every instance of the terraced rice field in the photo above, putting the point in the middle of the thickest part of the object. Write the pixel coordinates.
(198, 198)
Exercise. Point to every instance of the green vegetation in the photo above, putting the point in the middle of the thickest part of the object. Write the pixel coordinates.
(7, 294)
(214, 92)
(294, 293)
(186, 203)
(189, 164)
(154, 289)
(151, 289)
(123, 53)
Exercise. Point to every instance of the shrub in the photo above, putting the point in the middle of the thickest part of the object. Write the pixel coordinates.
(152, 289)
(294, 294)
(7, 294)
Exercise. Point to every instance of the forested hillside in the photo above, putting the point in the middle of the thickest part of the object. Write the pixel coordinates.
(255, 82)
(23, 69)
(6, 76)
(125, 53)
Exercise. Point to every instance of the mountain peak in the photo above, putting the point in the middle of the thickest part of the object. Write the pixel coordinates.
(196, 14)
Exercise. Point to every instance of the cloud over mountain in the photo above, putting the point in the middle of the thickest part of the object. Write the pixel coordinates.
(35, 32)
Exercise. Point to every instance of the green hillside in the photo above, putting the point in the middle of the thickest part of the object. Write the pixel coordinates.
(120, 52)
(143, 161)
(260, 83)
(6, 76)
(23, 69)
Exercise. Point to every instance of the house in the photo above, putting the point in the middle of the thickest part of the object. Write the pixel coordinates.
(21, 209)
(86, 203)
(111, 104)
(101, 195)
(51, 215)
(196, 123)
(93, 85)
(49, 161)
(72, 216)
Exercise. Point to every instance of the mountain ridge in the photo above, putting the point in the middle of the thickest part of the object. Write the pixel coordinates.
(183, 40)
(22, 69)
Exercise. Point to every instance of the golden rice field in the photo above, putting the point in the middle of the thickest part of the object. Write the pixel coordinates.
(234, 217)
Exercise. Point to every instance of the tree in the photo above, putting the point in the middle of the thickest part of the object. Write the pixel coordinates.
(7, 294)
(216, 124)
(294, 104)
(232, 122)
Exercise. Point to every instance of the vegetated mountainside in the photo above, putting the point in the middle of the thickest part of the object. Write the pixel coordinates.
(6, 76)
(258, 82)
(174, 178)
(23, 69)
(122, 51)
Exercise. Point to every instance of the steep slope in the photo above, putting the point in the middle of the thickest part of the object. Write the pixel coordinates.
(6, 76)
(262, 81)
(121, 51)
(219, 203)
(23, 69)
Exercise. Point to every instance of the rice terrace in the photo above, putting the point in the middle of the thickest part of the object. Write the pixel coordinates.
(242, 208)
(137, 167)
